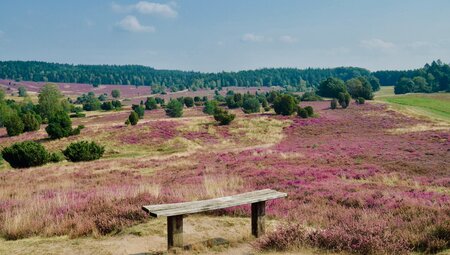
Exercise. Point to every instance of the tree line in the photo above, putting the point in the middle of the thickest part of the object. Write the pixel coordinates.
(291, 79)
(432, 77)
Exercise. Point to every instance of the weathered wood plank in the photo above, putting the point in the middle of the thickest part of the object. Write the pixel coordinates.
(258, 218)
(175, 231)
(213, 204)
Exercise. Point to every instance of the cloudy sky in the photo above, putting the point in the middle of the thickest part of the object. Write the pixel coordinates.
(216, 35)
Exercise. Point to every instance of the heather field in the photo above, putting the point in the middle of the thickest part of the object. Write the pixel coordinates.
(365, 180)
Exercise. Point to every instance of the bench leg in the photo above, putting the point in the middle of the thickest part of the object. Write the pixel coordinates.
(258, 218)
(175, 231)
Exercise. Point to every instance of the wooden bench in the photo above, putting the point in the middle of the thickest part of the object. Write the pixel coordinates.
(176, 211)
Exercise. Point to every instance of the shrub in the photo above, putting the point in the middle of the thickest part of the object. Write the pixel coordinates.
(139, 110)
(107, 106)
(91, 104)
(250, 105)
(83, 151)
(25, 154)
(360, 100)
(174, 109)
(31, 121)
(210, 107)
(116, 104)
(333, 104)
(60, 126)
(151, 104)
(310, 96)
(344, 99)
(56, 157)
(115, 93)
(223, 116)
(310, 111)
(78, 115)
(302, 113)
(284, 105)
(14, 125)
(22, 91)
(133, 118)
(188, 101)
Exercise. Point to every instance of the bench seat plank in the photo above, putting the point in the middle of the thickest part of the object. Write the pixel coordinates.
(212, 204)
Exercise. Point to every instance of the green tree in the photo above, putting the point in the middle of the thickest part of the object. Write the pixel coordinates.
(14, 125)
(251, 105)
(133, 118)
(92, 104)
(359, 87)
(405, 85)
(22, 91)
(31, 121)
(174, 109)
(60, 126)
(331, 87)
(49, 101)
(210, 107)
(115, 93)
(284, 105)
(139, 110)
(374, 83)
(151, 104)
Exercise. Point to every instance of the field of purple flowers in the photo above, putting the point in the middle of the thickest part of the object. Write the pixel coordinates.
(359, 180)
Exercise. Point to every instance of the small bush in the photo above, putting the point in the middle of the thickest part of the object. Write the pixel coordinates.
(174, 109)
(344, 99)
(83, 151)
(188, 101)
(333, 104)
(310, 111)
(310, 96)
(56, 157)
(302, 113)
(360, 100)
(139, 110)
(14, 125)
(60, 126)
(223, 116)
(25, 154)
(31, 121)
(251, 105)
(151, 104)
(132, 119)
(210, 107)
(284, 105)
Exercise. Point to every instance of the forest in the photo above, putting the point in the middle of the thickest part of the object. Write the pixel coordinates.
(291, 79)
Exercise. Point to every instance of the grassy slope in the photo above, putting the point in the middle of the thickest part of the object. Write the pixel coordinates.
(435, 106)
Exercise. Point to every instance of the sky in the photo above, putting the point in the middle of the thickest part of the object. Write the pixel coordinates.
(228, 35)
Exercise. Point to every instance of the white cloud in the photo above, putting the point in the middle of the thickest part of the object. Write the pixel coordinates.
(150, 8)
(287, 39)
(377, 44)
(132, 24)
(250, 37)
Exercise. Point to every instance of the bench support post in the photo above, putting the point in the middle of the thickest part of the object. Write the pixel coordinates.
(175, 231)
(258, 218)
